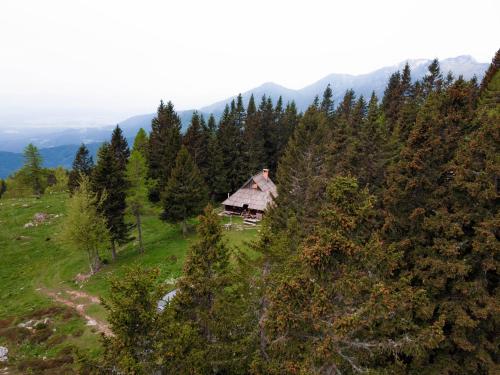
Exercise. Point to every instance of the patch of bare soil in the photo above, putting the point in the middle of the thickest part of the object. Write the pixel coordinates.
(79, 301)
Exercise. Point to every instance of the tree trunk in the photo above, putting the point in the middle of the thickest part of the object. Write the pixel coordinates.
(113, 250)
(184, 228)
(263, 314)
(139, 230)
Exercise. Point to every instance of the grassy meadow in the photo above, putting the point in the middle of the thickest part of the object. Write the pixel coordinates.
(37, 281)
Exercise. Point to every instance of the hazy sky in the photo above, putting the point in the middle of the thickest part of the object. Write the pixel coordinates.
(100, 61)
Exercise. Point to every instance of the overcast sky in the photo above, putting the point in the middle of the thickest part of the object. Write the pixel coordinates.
(100, 61)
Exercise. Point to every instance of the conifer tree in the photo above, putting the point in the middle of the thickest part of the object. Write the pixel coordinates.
(255, 157)
(84, 227)
(119, 145)
(164, 144)
(328, 315)
(137, 193)
(206, 301)
(137, 325)
(300, 175)
(108, 181)
(185, 194)
(229, 135)
(215, 172)
(82, 165)
(287, 123)
(196, 142)
(141, 142)
(418, 203)
(33, 168)
(3, 187)
(327, 105)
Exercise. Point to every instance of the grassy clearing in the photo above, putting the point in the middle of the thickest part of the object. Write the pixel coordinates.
(33, 260)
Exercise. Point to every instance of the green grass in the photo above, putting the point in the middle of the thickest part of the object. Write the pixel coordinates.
(32, 259)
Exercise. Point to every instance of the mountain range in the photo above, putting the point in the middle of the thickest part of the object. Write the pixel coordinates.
(59, 146)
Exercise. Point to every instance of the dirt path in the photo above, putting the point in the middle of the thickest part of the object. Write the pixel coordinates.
(79, 301)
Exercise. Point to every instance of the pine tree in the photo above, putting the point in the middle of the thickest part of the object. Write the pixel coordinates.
(255, 157)
(84, 227)
(196, 142)
(3, 187)
(185, 193)
(137, 193)
(141, 142)
(119, 146)
(33, 168)
(417, 203)
(301, 171)
(82, 165)
(216, 174)
(108, 181)
(328, 306)
(327, 104)
(230, 142)
(206, 301)
(164, 144)
(136, 323)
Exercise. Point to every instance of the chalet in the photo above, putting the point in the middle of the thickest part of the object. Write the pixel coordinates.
(253, 197)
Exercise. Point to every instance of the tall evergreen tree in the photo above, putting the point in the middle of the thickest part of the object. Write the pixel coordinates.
(136, 323)
(141, 142)
(164, 144)
(185, 194)
(137, 193)
(82, 165)
(33, 168)
(255, 157)
(3, 187)
(301, 171)
(108, 181)
(327, 104)
(196, 142)
(229, 136)
(206, 302)
(119, 145)
(328, 315)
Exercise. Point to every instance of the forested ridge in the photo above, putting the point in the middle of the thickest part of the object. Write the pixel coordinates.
(380, 254)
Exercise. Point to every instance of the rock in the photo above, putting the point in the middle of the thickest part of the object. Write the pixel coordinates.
(4, 354)
(40, 217)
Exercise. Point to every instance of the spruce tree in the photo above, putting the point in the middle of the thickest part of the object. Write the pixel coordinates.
(119, 146)
(82, 165)
(255, 157)
(137, 193)
(136, 323)
(208, 301)
(230, 141)
(328, 306)
(33, 168)
(164, 144)
(141, 142)
(3, 187)
(301, 171)
(185, 194)
(108, 181)
(215, 172)
(196, 142)
(327, 105)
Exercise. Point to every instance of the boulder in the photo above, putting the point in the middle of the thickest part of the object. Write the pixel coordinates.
(4, 354)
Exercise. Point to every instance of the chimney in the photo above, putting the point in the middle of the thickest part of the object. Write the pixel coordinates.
(265, 173)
